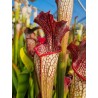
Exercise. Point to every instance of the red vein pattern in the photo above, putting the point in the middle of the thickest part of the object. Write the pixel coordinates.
(78, 86)
(46, 54)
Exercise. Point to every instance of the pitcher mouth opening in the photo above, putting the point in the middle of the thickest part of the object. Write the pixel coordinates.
(78, 53)
(46, 52)
(75, 70)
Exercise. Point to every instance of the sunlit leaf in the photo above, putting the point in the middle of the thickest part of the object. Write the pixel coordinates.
(26, 60)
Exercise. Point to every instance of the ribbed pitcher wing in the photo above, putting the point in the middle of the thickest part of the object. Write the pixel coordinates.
(37, 67)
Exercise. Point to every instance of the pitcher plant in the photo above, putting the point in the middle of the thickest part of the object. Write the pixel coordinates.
(46, 54)
(78, 85)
